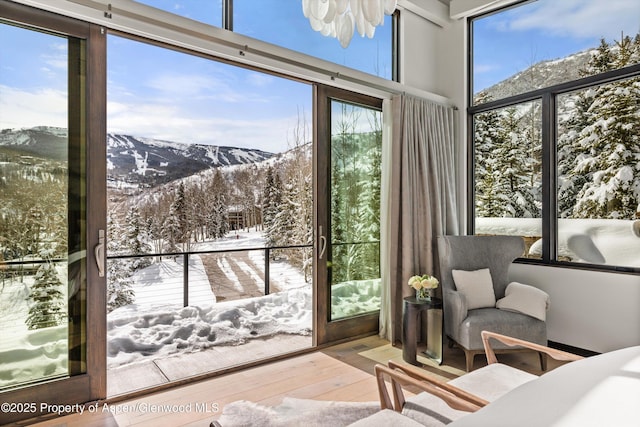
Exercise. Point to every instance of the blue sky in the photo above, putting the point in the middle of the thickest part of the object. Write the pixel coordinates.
(509, 42)
(163, 94)
(159, 93)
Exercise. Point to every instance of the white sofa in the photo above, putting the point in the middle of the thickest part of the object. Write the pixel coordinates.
(602, 390)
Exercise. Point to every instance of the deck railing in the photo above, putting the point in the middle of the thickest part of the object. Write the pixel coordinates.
(272, 255)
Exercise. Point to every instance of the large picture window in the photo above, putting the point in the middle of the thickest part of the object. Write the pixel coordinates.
(556, 143)
(209, 212)
(282, 23)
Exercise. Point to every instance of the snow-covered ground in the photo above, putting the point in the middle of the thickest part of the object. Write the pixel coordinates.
(598, 241)
(157, 325)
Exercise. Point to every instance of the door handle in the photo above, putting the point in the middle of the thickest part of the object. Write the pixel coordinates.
(99, 253)
(323, 243)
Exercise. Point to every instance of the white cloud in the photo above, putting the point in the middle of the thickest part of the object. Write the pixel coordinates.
(45, 107)
(581, 18)
(259, 80)
(40, 107)
(183, 84)
(173, 124)
(485, 68)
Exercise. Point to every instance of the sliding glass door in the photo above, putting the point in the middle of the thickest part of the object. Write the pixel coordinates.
(348, 158)
(45, 224)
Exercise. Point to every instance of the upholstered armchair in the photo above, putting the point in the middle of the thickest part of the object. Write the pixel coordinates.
(468, 307)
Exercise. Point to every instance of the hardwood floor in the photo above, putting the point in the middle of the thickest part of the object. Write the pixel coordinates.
(342, 372)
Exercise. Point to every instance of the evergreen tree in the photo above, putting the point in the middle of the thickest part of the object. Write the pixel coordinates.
(570, 179)
(513, 169)
(220, 209)
(603, 141)
(284, 226)
(271, 202)
(489, 202)
(370, 223)
(180, 224)
(171, 232)
(119, 271)
(48, 305)
(135, 239)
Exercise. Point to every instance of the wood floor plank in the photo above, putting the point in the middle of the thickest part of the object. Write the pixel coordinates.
(342, 372)
(361, 391)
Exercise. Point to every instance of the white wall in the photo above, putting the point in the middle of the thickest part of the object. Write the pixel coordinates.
(593, 310)
(419, 41)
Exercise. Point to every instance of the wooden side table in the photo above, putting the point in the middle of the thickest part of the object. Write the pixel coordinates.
(411, 310)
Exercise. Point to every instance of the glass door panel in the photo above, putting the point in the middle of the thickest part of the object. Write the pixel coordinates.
(356, 150)
(41, 277)
(44, 221)
(210, 205)
(347, 159)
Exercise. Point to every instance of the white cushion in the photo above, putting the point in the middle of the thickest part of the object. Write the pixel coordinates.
(385, 418)
(525, 299)
(429, 410)
(492, 381)
(477, 287)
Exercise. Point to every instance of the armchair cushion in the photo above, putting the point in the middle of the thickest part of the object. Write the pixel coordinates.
(503, 322)
(476, 286)
(525, 299)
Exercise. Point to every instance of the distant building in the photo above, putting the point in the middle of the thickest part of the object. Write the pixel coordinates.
(240, 216)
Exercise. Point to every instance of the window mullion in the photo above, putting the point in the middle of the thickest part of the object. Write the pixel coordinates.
(227, 14)
(549, 182)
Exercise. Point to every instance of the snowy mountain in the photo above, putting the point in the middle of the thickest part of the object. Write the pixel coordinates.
(40, 141)
(152, 162)
(542, 74)
(133, 160)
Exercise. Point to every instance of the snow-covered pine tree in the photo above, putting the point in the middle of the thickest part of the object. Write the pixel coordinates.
(575, 114)
(306, 228)
(271, 200)
(47, 306)
(283, 227)
(297, 171)
(195, 194)
(171, 232)
(181, 229)
(209, 210)
(489, 201)
(220, 190)
(339, 215)
(348, 179)
(514, 166)
(135, 239)
(608, 147)
(368, 226)
(153, 229)
(119, 284)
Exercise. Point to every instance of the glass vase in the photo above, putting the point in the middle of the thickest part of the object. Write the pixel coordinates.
(424, 294)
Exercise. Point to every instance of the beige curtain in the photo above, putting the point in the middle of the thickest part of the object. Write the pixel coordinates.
(419, 199)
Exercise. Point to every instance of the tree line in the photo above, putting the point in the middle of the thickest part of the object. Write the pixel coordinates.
(598, 148)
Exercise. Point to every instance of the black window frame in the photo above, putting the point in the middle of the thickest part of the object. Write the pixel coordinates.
(548, 96)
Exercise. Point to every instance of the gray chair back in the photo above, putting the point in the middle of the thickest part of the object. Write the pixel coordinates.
(476, 252)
